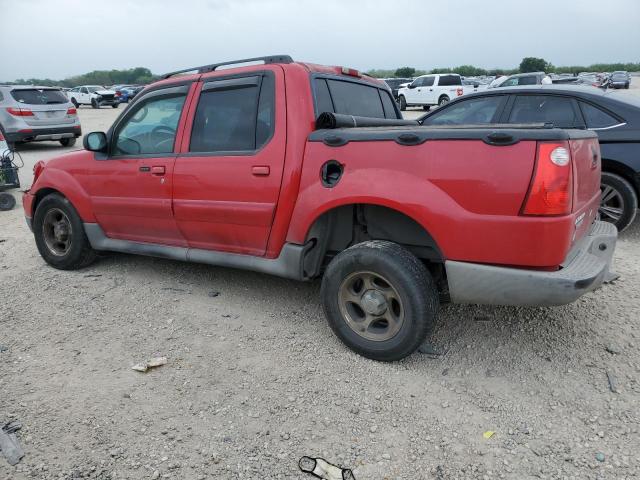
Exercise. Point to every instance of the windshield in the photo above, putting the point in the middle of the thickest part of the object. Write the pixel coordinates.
(37, 96)
(95, 88)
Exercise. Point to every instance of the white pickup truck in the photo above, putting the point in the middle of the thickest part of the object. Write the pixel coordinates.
(94, 95)
(428, 90)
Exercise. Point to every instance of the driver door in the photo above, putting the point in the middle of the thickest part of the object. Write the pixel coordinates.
(412, 93)
(131, 187)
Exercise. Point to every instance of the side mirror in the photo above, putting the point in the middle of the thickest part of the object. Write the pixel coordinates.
(411, 85)
(95, 142)
(476, 84)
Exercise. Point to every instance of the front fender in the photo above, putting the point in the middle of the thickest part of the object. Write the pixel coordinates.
(64, 182)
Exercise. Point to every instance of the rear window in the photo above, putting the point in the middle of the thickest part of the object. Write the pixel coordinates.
(351, 98)
(448, 80)
(38, 97)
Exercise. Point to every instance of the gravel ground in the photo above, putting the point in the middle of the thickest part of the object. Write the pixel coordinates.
(255, 379)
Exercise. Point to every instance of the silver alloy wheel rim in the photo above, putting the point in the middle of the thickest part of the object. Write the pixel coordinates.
(57, 232)
(611, 204)
(371, 306)
(443, 101)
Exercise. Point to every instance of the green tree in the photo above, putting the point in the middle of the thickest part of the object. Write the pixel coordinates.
(405, 72)
(533, 64)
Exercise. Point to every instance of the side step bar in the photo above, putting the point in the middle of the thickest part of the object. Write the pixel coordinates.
(287, 265)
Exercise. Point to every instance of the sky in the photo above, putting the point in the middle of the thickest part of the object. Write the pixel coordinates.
(60, 38)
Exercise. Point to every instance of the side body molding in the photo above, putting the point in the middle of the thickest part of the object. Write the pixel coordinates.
(287, 265)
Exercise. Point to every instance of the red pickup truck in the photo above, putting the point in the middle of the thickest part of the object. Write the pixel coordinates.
(307, 171)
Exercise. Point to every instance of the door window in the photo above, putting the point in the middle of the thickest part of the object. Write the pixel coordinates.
(150, 128)
(475, 111)
(543, 109)
(596, 118)
(236, 115)
(529, 80)
(511, 82)
(84, 90)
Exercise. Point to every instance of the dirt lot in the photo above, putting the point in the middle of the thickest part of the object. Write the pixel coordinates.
(255, 379)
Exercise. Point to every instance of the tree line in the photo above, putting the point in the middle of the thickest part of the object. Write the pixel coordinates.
(142, 75)
(528, 64)
(132, 76)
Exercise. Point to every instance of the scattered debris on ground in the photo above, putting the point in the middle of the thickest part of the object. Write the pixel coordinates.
(152, 363)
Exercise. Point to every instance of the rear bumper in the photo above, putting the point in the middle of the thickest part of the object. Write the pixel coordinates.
(107, 101)
(38, 134)
(585, 269)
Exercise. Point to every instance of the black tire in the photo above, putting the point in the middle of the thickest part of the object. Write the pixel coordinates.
(68, 142)
(443, 100)
(403, 103)
(79, 253)
(7, 202)
(75, 103)
(617, 195)
(626, 86)
(94, 103)
(115, 105)
(407, 278)
(426, 108)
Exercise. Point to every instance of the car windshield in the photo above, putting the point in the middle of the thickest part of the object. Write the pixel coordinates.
(35, 96)
(95, 88)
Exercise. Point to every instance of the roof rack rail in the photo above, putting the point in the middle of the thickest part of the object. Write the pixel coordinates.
(213, 66)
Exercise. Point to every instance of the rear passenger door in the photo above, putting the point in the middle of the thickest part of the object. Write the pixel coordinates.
(227, 177)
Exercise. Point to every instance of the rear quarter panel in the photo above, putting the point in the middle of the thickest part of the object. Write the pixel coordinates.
(465, 193)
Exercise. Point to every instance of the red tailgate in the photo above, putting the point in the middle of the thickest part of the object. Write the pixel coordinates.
(585, 154)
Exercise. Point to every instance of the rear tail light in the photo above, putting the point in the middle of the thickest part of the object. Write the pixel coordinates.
(118, 93)
(72, 111)
(459, 92)
(20, 112)
(551, 190)
(1, 136)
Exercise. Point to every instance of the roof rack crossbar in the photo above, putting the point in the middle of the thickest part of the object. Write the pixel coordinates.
(213, 66)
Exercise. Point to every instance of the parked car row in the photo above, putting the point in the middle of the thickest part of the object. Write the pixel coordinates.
(615, 118)
(426, 87)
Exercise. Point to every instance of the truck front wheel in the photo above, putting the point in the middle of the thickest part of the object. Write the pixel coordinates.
(379, 299)
(60, 235)
(94, 103)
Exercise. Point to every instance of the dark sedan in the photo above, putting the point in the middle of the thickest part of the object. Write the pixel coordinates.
(394, 84)
(614, 116)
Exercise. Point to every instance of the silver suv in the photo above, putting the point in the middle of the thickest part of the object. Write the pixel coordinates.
(33, 114)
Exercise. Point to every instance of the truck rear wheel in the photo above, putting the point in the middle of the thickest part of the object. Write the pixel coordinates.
(403, 103)
(379, 299)
(60, 235)
(443, 100)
